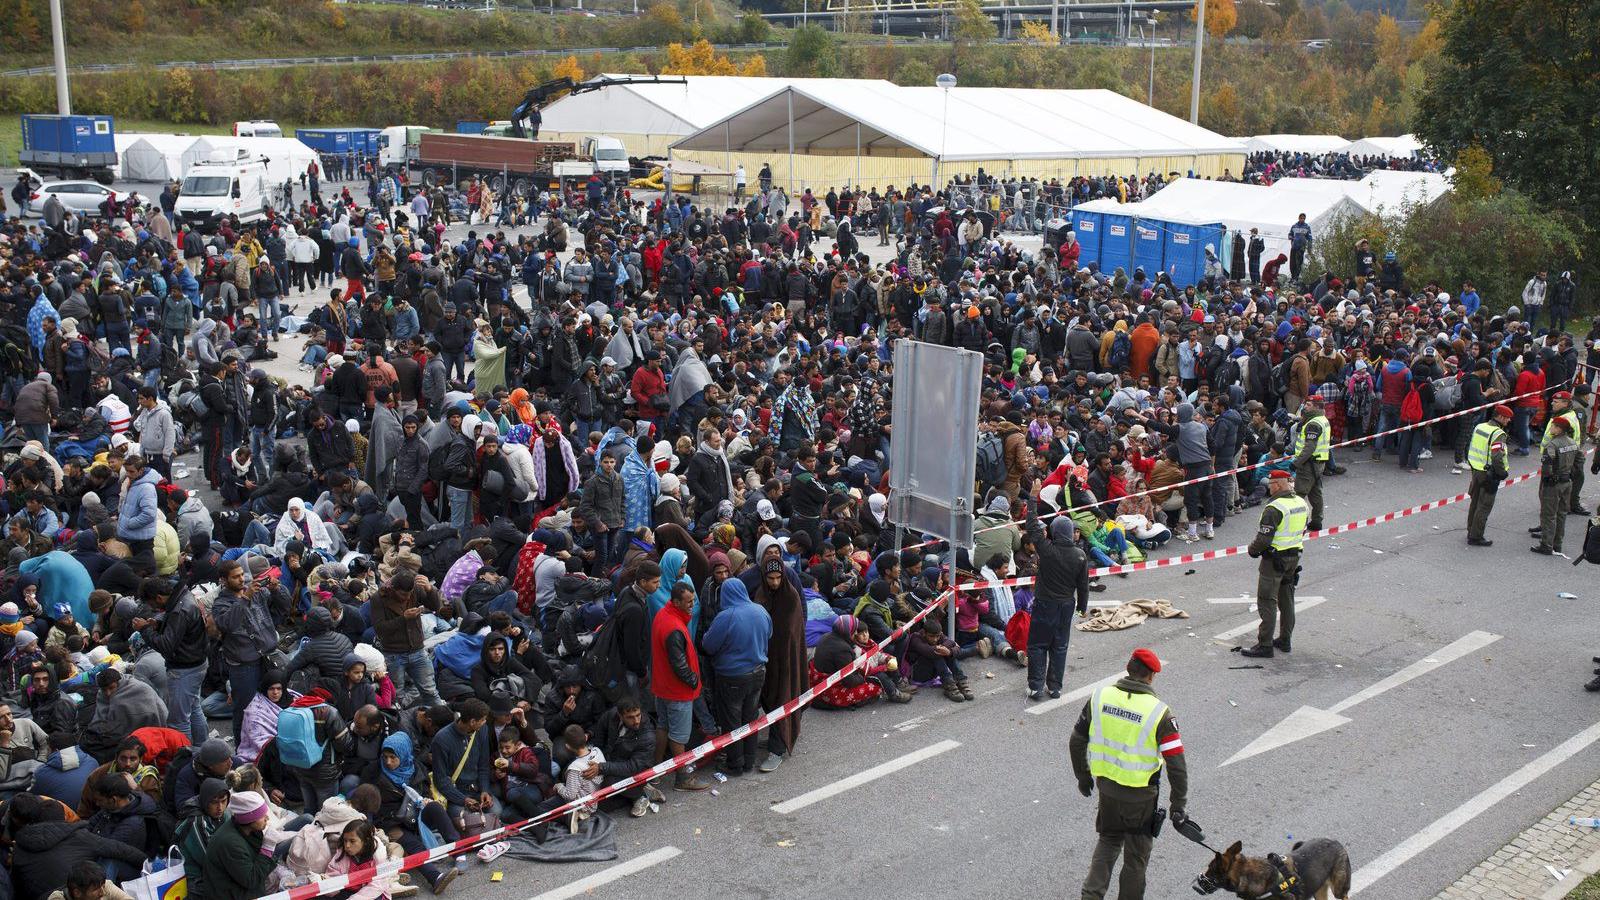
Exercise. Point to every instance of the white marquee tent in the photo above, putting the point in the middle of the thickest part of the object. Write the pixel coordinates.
(869, 132)
(1295, 143)
(649, 117)
(1406, 146)
(159, 157)
(1391, 193)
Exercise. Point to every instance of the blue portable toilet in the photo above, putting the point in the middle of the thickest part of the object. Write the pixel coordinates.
(1148, 245)
(1116, 243)
(1086, 226)
(1184, 252)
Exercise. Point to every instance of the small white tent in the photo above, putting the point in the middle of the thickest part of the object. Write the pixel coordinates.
(1315, 144)
(286, 157)
(1394, 193)
(158, 157)
(216, 148)
(1405, 146)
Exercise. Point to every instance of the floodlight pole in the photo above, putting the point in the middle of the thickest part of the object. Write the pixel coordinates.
(1199, 49)
(946, 82)
(1151, 37)
(58, 46)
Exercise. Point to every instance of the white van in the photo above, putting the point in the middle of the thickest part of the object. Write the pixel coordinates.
(257, 128)
(212, 190)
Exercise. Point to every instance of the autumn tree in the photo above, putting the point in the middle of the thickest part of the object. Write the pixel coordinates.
(568, 68)
(1221, 16)
(1039, 34)
(700, 58)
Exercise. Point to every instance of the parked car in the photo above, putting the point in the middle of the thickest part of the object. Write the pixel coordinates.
(78, 196)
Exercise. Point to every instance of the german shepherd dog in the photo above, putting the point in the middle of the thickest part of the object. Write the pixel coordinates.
(1318, 868)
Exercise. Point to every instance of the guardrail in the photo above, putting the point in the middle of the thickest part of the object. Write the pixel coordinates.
(279, 62)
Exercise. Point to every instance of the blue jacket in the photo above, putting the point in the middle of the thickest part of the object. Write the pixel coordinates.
(64, 774)
(136, 520)
(737, 640)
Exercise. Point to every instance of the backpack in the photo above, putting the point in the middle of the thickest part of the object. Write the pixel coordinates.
(1446, 393)
(298, 745)
(438, 463)
(1591, 544)
(1280, 376)
(194, 403)
(1411, 407)
(1121, 347)
(509, 686)
(991, 459)
(99, 360)
(169, 784)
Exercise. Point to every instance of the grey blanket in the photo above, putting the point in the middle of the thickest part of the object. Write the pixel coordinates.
(595, 841)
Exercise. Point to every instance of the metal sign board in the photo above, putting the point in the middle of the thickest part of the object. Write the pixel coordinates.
(933, 451)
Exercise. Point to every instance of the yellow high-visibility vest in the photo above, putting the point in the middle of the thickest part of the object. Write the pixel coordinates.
(1321, 453)
(1122, 736)
(1295, 513)
(1484, 437)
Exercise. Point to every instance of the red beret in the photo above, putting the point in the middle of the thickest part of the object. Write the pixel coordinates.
(1279, 475)
(1503, 410)
(1314, 399)
(1149, 658)
(1563, 395)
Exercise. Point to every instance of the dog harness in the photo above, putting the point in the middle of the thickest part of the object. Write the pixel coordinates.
(1288, 882)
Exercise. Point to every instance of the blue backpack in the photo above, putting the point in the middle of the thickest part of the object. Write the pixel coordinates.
(298, 746)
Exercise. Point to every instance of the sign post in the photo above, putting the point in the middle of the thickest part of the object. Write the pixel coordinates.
(933, 455)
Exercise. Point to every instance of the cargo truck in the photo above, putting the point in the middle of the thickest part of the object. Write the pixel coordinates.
(69, 146)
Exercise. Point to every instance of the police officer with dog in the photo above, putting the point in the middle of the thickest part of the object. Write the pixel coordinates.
(1486, 457)
(1122, 741)
(1277, 544)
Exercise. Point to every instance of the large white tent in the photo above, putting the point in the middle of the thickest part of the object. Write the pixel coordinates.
(1405, 146)
(647, 118)
(158, 157)
(1315, 144)
(1240, 207)
(1391, 193)
(824, 133)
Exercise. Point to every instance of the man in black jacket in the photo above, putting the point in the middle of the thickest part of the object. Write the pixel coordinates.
(178, 633)
(625, 735)
(329, 446)
(215, 397)
(1062, 584)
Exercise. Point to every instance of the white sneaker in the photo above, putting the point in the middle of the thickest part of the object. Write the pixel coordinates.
(1426, 454)
(640, 807)
(492, 852)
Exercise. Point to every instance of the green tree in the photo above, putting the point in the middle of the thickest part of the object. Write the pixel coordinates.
(753, 29)
(1521, 79)
(812, 52)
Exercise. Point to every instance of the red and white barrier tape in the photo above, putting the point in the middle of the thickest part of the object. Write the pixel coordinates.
(1224, 552)
(1246, 468)
(340, 883)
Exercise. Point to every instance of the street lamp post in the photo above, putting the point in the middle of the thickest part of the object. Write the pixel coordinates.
(1151, 37)
(944, 82)
(1199, 46)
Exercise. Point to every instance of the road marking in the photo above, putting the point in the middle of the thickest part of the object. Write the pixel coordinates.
(1242, 598)
(914, 722)
(863, 777)
(1308, 721)
(1447, 824)
(606, 876)
(1301, 604)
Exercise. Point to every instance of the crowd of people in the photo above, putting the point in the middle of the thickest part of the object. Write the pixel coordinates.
(1267, 166)
(542, 509)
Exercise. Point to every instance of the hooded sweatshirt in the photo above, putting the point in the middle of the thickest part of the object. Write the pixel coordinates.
(1192, 448)
(736, 642)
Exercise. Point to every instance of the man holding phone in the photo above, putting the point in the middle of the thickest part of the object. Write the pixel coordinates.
(397, 622)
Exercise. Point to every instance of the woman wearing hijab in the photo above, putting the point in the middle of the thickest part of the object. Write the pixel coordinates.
(301, 524)
(838, 649)
(521, 408)
(400, 778)
(260, 723)
(787, 668)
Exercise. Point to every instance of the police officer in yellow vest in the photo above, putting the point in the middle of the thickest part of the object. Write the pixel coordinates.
(1278, 542)
(1310, 453)
(1562, 407)
(1123, 739)
(1486, 456)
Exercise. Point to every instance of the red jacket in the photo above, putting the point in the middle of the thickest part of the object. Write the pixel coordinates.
(665, 680)
(1529, 381)
(647, 385)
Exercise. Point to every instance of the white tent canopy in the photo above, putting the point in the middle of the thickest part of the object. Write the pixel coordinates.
(216, 148)
(1315, 144)
(1391, 193)
(1240, 207)
(669, 109)
(158, 157)
(835, 116)
(1405, 146)
(286, 157)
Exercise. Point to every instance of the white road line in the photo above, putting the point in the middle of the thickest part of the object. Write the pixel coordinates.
(1456, 649)
(1231, 600)
(1301, 604)
(1447, 824)
(606, 876)
(863, 777)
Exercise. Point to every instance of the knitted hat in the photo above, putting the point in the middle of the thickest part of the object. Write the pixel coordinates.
(246, 807)
(9, 613)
